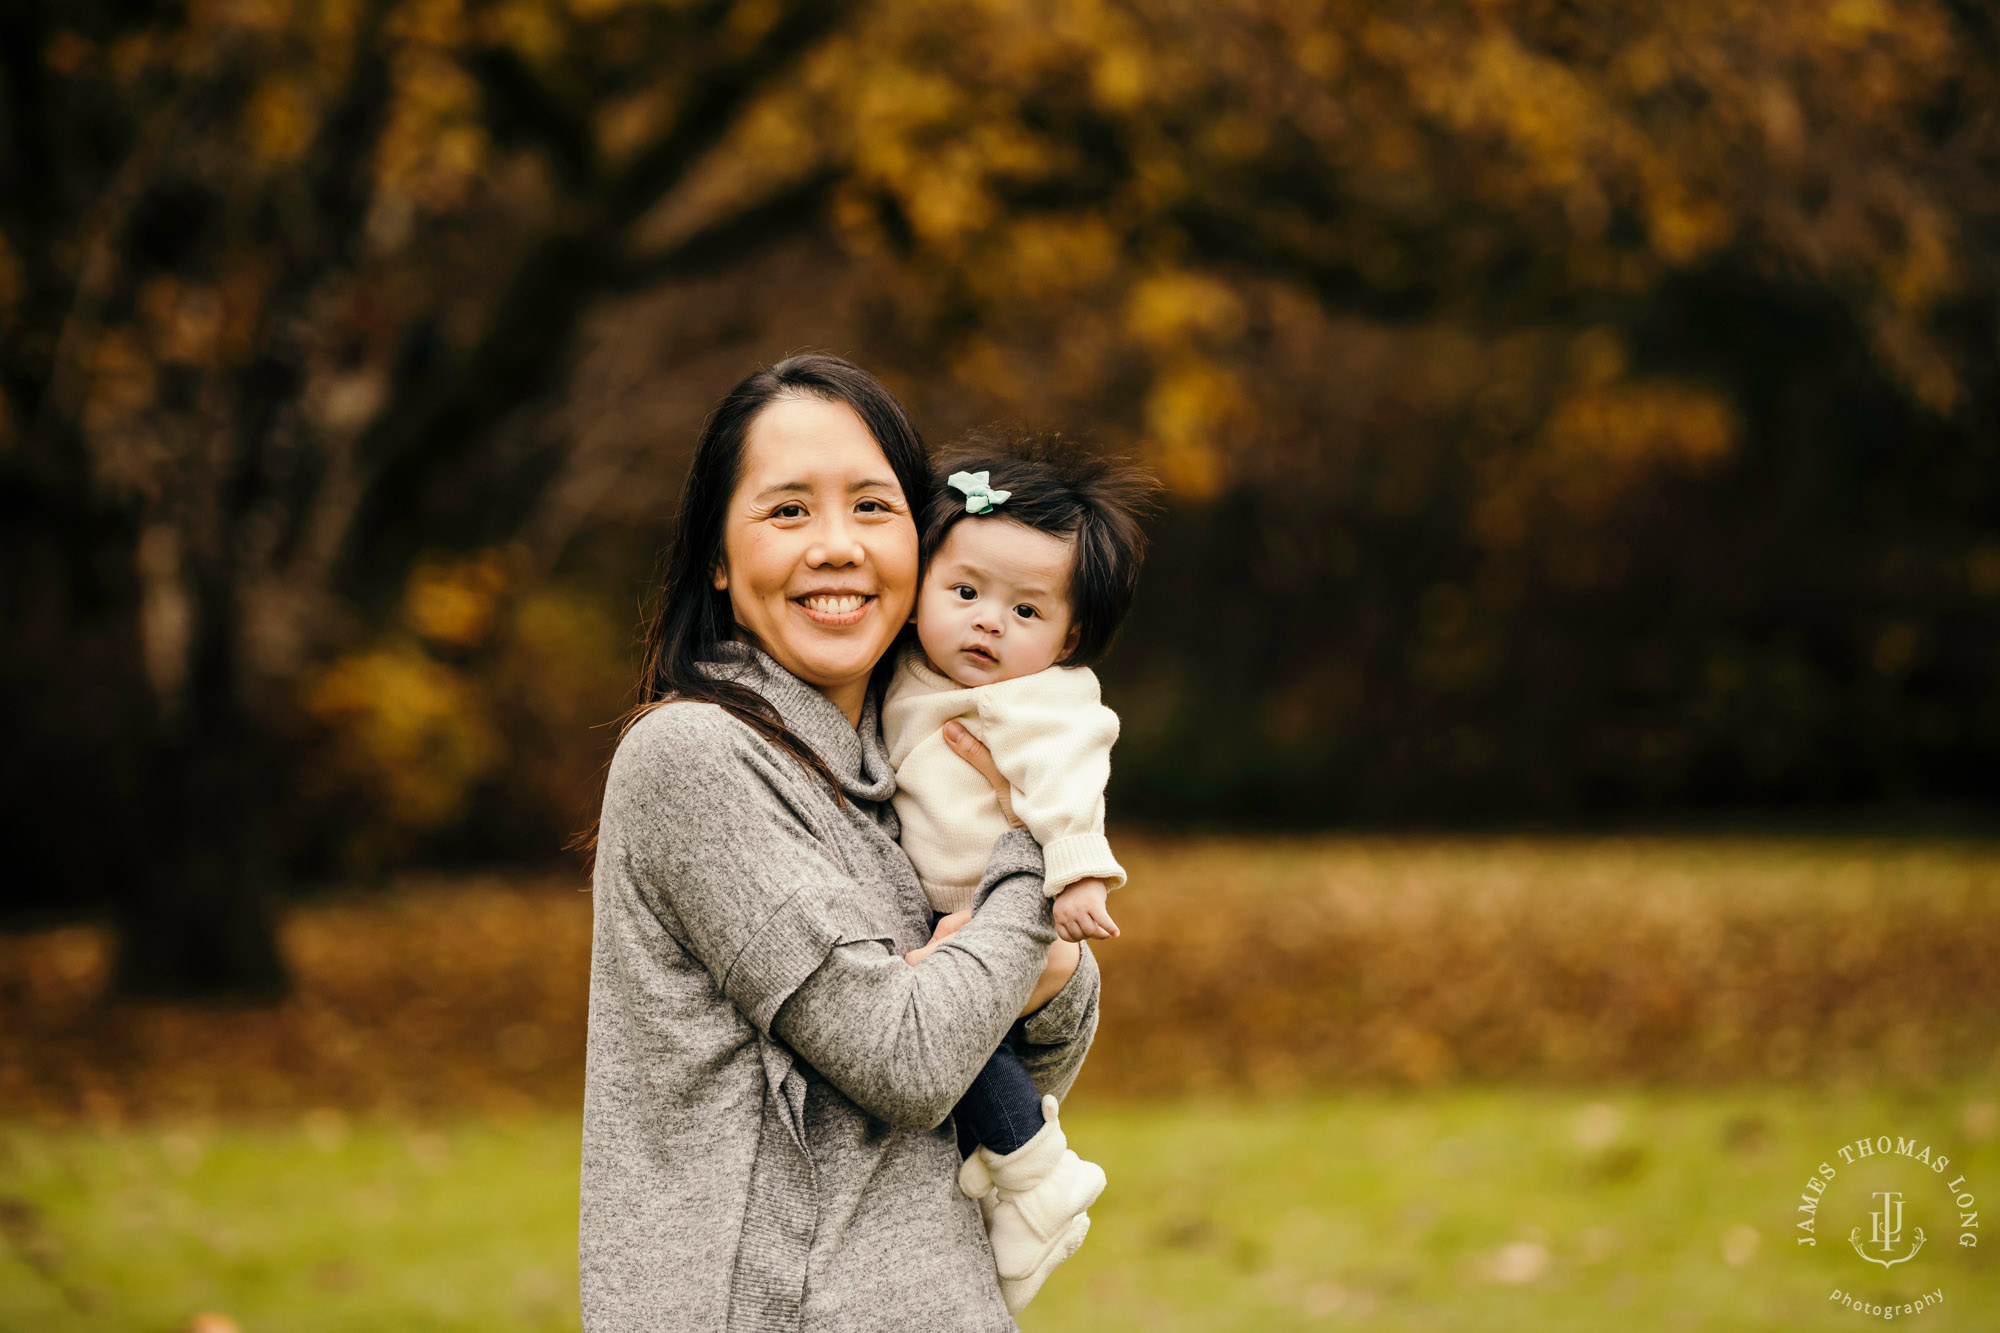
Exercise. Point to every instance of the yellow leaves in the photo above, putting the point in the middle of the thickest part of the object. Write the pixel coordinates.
(408, 733)
(1188, 412)
(1169, 310)
(1684, 227)
(1044, 258)
(1926, 268)
(1119, 78)
(1623, 426)
(495, 673)
(434, 143)
(406, 729)
(1195, 402)
(1856, 22)
(1539, 104)
(1643, 65)
(532, 27)
(1603, 436)
(1782, 122)
(1322, 54)
(278, 124)
(750, 19)
(454, 602)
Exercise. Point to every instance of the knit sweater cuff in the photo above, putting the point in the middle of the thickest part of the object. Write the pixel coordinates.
(1080, 856)
(787, 948)
(1073, 1011)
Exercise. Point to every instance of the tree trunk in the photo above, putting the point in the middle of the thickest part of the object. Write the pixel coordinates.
(198, 922)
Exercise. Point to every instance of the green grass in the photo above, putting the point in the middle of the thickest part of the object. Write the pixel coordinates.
(1628, 1210)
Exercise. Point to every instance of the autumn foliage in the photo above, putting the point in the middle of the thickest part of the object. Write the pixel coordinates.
(1567, 410)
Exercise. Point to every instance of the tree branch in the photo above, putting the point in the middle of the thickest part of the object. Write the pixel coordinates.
(712, 107)
(521, 106)
(792, 209)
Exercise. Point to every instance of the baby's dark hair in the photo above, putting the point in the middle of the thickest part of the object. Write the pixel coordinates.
(1060, 488)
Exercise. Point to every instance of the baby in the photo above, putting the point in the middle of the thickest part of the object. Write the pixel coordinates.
(1030, 564)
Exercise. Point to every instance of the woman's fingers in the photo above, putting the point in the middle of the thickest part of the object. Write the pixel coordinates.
(973, 751)
(951, 924)
(969, 748)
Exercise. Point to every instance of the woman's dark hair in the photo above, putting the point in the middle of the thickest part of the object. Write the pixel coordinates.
(693, 616)
(1060, 488)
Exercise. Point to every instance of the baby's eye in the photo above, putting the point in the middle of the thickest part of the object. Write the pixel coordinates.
(965, 594)
(1026, 612)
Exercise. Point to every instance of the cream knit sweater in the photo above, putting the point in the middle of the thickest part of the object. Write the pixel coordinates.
(1050, 736)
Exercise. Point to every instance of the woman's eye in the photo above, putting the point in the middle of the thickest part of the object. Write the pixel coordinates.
(789, 511)
(872, 507)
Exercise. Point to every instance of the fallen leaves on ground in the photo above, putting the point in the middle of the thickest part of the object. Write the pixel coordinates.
(1244, 965)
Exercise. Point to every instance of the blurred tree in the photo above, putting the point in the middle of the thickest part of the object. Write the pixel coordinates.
(270, 280)
(1602, 399)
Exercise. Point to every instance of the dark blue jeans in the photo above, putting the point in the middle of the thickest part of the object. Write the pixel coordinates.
(1003, 1108)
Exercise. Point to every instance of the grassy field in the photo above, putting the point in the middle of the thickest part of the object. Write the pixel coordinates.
(1460, 1210)
(1395, 1083)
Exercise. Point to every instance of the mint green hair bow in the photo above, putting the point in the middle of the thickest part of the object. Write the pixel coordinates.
(979, 493)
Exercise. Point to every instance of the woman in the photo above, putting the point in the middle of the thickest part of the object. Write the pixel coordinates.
(769, 1084)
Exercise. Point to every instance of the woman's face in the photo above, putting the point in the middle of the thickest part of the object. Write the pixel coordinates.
(819, 548)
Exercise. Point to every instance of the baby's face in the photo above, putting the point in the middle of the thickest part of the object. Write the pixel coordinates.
(995, 602)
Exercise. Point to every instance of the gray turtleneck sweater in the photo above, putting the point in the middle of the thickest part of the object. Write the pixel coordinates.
(767, 1142)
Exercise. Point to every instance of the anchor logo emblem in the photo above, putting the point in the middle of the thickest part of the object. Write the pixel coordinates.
(1886, 1231)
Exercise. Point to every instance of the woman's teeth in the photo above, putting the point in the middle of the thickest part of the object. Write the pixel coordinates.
(834, 606)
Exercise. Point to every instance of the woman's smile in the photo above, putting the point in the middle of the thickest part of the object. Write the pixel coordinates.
(835, 609)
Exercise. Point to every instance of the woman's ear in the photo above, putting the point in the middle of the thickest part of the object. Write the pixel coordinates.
(720, 578)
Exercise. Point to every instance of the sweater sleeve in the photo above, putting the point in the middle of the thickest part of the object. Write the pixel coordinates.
(1059, 1033)
(741, 882)
(906, 1042)
(1052, 739)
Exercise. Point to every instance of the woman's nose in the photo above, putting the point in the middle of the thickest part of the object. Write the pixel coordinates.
(836, 545)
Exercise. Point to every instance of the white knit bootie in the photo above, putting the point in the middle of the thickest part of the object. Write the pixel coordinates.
(1035, 1209)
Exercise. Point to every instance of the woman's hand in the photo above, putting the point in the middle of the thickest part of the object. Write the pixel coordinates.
(969, 748)
(947, 926)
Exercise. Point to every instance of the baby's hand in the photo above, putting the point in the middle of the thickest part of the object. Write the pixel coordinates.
(946, 927)
(1081, 914)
